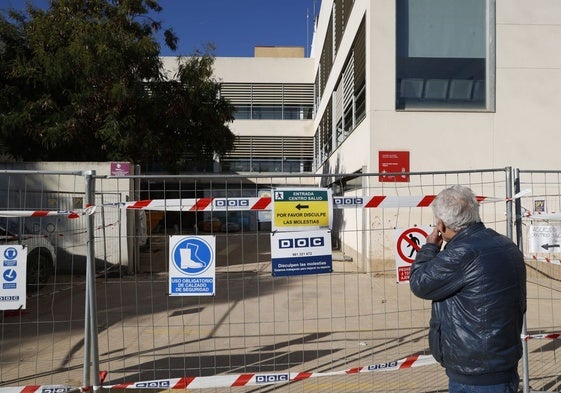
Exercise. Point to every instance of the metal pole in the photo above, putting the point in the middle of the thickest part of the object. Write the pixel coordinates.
(365, 225)
(91, 351)
(509, 218)
(136, 192)
(518, 212)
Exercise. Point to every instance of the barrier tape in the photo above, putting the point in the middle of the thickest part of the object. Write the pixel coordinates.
(235, 380)
(547, 336)
(44, 213)
(38, 213)
(248, 204)
(198, 204)
(247, 379)
(542, 216)
(382, 201)
(264, 203)
(43, 389)
(543, 259)
(259, 379)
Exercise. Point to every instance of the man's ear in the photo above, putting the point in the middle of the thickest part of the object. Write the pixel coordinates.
(441, 226)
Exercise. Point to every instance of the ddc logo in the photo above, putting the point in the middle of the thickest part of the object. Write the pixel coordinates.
(348, 201)
(152, 384)
(231, 202)
(271, 378)
(302, 242)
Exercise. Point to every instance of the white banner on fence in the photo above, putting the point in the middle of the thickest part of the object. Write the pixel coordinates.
(544, 238)
(13, 280)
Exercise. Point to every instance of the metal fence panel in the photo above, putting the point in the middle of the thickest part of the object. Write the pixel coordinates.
(355, 317)
(541, 223)
(43, 343)
(355, 329)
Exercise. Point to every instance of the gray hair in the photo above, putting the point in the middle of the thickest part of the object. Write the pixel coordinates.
(457, 207)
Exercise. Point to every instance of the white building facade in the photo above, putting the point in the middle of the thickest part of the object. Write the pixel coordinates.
(454, 84)
(459, 84)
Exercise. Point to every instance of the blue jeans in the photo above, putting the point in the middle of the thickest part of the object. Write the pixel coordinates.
(508, 387)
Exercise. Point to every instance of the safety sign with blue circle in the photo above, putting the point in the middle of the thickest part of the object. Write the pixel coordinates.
(13, 277)
(10, 274)
(192, 266)
(10, 253)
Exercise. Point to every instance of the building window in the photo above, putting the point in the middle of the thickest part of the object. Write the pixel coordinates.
(270, 101)
(270, 154)
(445, 54)
(347, 105)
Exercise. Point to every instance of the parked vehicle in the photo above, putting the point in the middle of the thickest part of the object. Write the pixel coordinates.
(41, 255)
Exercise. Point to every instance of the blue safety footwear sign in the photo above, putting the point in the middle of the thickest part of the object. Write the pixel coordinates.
(192, 266)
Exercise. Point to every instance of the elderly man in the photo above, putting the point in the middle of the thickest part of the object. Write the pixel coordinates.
(477, 284)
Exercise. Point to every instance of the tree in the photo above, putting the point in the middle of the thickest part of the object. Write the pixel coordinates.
(195, 115)
(83, 81)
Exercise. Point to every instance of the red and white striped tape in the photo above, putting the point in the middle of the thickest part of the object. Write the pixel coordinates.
(264, 203)
(44, 213)
(235, 380)
(259, 379)
(38, 213)
(542, 216)
(200, 204)
(383, 201)
(249, 204)
(547, 336)
(42, 389)
(543, 259)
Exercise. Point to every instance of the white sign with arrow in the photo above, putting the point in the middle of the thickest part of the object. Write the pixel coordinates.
(544, 238)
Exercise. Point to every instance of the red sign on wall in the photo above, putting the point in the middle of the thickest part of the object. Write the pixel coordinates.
(120, 168)
(396, 163)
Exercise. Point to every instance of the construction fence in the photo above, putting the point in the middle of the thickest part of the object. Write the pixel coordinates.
(103, 306)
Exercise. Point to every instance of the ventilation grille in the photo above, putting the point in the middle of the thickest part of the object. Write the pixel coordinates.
(269, 93)
(273, 147)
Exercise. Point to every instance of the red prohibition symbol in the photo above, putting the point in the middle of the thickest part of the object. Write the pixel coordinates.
(412, 239)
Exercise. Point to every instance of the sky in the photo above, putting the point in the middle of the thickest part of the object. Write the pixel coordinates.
(235, 27)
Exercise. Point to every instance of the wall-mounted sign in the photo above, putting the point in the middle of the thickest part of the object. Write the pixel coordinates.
(396, 163)
(120, 168)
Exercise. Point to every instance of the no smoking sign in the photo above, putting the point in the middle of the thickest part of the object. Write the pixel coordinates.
(408, 242)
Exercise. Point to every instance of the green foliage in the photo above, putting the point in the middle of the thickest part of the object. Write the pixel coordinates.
(83, 81)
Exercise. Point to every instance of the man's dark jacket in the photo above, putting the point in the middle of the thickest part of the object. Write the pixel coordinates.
(478, 287)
